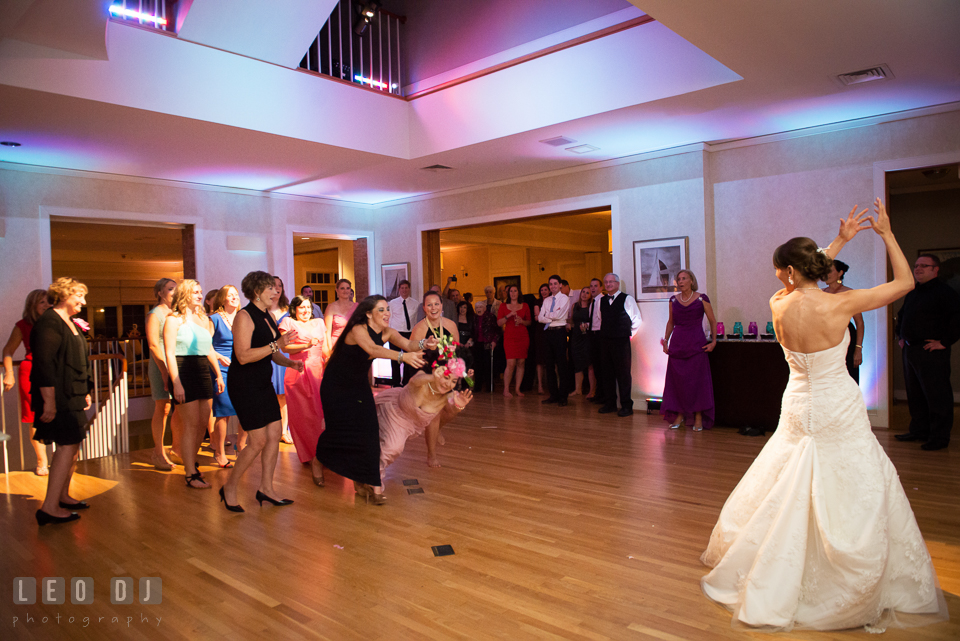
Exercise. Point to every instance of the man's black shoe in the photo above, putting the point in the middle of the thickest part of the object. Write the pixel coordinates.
(597, 400)
(562, 402)
(606, 409)
(625, 412)
(930, 447)
(549, 400)
(907, 437)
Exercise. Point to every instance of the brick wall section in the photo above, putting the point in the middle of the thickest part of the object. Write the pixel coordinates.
(361, 273)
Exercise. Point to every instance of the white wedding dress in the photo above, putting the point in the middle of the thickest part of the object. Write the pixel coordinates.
(819, 533)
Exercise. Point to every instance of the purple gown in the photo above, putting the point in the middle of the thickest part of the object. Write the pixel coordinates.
(688, 388)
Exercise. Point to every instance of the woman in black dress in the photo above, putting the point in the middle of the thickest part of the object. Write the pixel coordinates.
(580, 343)
(256, 344)
(350, 443)
(539, 340)
(60, 385)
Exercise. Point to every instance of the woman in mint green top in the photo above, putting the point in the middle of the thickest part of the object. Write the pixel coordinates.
(187, 339)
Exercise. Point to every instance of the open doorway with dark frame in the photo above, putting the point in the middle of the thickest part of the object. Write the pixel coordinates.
(924, 205)
(577, 245)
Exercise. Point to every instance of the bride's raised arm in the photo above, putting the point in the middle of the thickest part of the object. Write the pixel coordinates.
(862, 300)
(849, 228)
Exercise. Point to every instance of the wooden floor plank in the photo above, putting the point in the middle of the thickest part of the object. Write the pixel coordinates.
(565, 525)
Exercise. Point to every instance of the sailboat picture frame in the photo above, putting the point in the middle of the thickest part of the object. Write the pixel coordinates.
(655, 266)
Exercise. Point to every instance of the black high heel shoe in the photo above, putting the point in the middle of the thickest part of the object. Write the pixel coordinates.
(232, 508)
(43, 518)
(79, 505)
(261, 497)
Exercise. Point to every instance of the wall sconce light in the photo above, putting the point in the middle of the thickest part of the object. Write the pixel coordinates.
(540, 266)
(463, 270)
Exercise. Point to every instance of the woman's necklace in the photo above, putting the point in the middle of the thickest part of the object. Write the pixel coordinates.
(432, 391)
(228, 319)
(437, 332)
(800, 288)
(688, 300)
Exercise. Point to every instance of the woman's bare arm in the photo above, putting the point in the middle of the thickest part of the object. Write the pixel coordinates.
(12, 344)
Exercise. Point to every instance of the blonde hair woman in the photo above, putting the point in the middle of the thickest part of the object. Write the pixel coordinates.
(187, 338)
(34, 307)
(60, 389)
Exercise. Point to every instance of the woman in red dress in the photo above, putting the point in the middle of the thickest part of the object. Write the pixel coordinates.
(33, 309)
(514, 317)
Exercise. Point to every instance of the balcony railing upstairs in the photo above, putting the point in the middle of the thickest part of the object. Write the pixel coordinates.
(359, 43)
(157, 14)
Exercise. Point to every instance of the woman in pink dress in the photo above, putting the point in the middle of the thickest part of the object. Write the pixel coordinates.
(407, 411)
(304, 412)
(338, 312)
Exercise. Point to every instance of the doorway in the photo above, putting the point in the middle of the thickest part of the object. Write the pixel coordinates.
(924, 209)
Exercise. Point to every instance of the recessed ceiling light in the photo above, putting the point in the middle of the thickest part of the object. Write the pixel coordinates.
(304, 238)
(582, 149)
(9, 143)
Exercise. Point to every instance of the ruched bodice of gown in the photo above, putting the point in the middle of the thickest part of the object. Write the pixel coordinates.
(819, 533)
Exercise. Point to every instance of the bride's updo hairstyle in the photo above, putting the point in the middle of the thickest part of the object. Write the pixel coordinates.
(803, 255)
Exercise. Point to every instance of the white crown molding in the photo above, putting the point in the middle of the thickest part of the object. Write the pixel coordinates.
(603, 164)
(178, 184)
(843, 125)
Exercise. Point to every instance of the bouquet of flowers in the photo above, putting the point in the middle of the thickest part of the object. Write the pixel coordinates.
(449, 362)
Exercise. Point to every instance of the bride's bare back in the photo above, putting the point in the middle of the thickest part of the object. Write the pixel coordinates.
(807, 319)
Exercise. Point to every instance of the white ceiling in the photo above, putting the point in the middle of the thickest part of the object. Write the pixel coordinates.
(161, 107)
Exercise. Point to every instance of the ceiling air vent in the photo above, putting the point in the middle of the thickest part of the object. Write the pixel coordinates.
(559, 141)
(872, 74)
(582, 149)
(437, 168)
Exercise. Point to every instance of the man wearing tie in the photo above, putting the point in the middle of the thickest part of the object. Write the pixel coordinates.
(402, 311)
(619, 321)
(593, 337)
(553, 315)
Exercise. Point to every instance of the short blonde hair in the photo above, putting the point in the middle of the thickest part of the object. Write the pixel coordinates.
(693, 278)
(64, 287)
(30, 305)
(181, 295)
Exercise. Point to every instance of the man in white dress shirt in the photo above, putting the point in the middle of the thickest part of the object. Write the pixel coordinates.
(619, 321)
(553, 315)
(403, 311)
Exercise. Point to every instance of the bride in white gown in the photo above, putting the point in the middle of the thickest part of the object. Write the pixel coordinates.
(819, 533)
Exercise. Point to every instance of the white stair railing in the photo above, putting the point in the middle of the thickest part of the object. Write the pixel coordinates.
(110, 430)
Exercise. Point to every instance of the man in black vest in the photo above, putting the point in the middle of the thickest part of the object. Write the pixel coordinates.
(927, 325)
(619, 321)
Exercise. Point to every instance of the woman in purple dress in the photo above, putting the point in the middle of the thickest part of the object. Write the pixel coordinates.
(688, 388)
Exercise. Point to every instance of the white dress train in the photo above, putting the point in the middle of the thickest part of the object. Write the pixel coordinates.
(819, 533)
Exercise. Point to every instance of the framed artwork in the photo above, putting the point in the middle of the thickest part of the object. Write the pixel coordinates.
(949, 265)
(391, 276)
(500, 283)
(655, 266)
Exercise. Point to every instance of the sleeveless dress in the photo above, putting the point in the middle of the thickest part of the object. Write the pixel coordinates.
(852, 369)
(688, 387)
(23, 377)
(223, 345)
(339, 322)
(153, 371)
(279, 371)
(304, 411)
(250, 388)
(516, 338)
(193, 366)
(350, 443)
(819, 532)
(400, 419)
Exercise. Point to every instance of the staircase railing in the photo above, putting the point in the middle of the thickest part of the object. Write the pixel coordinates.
(110, 429)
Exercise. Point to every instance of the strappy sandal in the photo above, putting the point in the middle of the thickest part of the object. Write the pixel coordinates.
(42, 470)
(197, 478)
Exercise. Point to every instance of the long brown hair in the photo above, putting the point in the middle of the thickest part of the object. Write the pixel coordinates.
(30, 305)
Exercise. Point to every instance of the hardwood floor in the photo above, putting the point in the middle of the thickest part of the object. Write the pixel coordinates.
(565, 525)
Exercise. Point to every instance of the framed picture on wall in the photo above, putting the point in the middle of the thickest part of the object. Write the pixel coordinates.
(500, 283)
(391, 276)
(655, 266)
(949, 265)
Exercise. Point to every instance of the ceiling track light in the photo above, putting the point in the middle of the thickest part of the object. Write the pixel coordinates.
(366, 10)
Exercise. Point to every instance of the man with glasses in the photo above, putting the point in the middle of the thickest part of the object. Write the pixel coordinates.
(927, 325)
